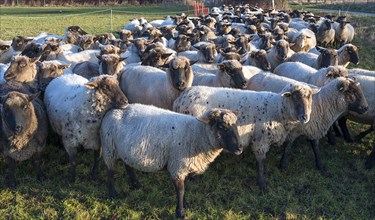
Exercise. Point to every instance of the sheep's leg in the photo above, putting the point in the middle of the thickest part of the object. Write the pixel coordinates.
(336, 130)
(72, 152)
(261, 179)
(94, 171)
(111, 183)
(38, 170)
(284, 162)
(331, 137)
(180, 190)
(370, 162)
(363, 134)
(344, 129)
(133, 180)
(10, 179)
(315, 147)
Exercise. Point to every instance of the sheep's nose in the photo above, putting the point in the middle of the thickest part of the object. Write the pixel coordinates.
(181, 84)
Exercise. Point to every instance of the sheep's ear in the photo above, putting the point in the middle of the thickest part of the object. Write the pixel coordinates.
(122, 59)
(92, 85)
(320, 49)
(34, 60)
(273, 43)
(192, 62)
(33, 96)
(166, 55)
(252, 54)
(242, 55)
(291, 44)
(221, 67)
(98, 56)
(203, 119)
(122, 51)
(314, 89)
(287, 94)
(165, 65)
(63, 67)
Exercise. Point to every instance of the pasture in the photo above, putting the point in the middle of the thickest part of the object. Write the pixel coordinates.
(227, 190)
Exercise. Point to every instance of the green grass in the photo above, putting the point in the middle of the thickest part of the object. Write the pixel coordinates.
(228, 190)
(358, 7)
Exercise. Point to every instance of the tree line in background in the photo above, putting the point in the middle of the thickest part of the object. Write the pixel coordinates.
(87, 2)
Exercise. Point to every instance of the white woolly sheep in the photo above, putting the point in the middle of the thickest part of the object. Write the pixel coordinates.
(348, 53)
(344, 32)
(6, 52)
(152, 86)
(327, 57)
(264, 118)
(303, 73)
(362, 72)
(229, 74)
(133, 134)
(22, 69)
(259, 59)
(303, 41)
(279, 53)
(75, 108)
(325, 34)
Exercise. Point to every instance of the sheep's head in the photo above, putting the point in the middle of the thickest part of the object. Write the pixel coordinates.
(182, 43)
(261, 59)
(231, 55)
(282, 49)
(47, 72)
(179, 72)
(223, 122)
(76, 29)
(155, 56)
(19, 43)
(32, 50)
(125, 35)
(141, 45)
(110, 49)
(107, 92)
(168, 31)
(87, 42)
(332, 72)
(299, 101)
(232, 74)
(209, 52)
(17, 112)
(21, 69)
(4, 48)
(353, 94)
(243, 43)
(110, 64)
(351, 52)
(327, 57)
(50, 51)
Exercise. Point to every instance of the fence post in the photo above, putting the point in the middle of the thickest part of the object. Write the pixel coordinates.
(111, 19)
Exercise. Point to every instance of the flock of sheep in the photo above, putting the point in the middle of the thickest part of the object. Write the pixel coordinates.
(240, 77)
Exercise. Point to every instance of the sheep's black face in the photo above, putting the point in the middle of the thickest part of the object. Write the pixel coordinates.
(47, 73)
(282, 50)
(180, 77)
(224, 123)
(209, 53)
(76, 29)
(328, 57)
(354, 96)
(261, 60)
(233, 69)
(4, 48)
(353, 54)
(19, 43)
(182, 43)
(243, 43)
(109, 87)
(17, 112)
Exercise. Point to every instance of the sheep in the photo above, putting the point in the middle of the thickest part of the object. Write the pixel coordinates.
(304, 73)
(125, 35)
(229, 74)
(259, 59)
(110, 49)
(368, 87)
(182, 43)
(346, 54)
(207, 34)
(132, 134)
(47, 71)
(86, 69)
(304, 40)
(72, 34)
(168, 85)
(105, 38)
(22, 69)
(264, 118)
(3, 68)
(23, 127)
(75, 108)
(362, 72)
(6, 52)
(229, 56)
(370, 162)
(33, 50)
(136, 50)
(75, 58)
(206, 53)
(88, 42)
(19, 43)
(344, 31)
(335, 98)
(327, 57)
(325, 34)
(134, 26)
(279, 53)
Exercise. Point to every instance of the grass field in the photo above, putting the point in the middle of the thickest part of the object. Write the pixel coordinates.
(228, 190)
(357, 7)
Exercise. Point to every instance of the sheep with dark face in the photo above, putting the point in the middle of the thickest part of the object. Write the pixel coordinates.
(6, 52)
(325, 34)
(264, 118)
(182, 43)
(111, 49)
(105, 38)
(88, 42)
(346, 54)
(23, 127)
(133, 134)
(279, 53)
(22, 69)
(259, 59)
(206, 53)
(73, 34)
(344, 31)
(327, 57)
(33, 50)
(229, 56)
(158, 88)
(156, 55)
(229, 74)
(75, 108)
(47, 71)
(19, 43)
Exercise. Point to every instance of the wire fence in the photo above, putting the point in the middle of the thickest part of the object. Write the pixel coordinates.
(94, 22)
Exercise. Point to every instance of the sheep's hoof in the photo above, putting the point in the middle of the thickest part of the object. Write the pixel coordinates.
(136, 185)
(180, 213)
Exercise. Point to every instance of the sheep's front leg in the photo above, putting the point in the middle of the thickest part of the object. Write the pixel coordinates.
(94, 171)
(345, 130)
(180, 190)
(10, 179)
(261, 179)
(72, 152)
(370, 162)
(38, 170)
(318, 161)
(363, 134)
(133, 180)
(284, 161)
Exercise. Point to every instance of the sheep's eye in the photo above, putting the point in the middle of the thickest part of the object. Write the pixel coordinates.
(25, 107)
